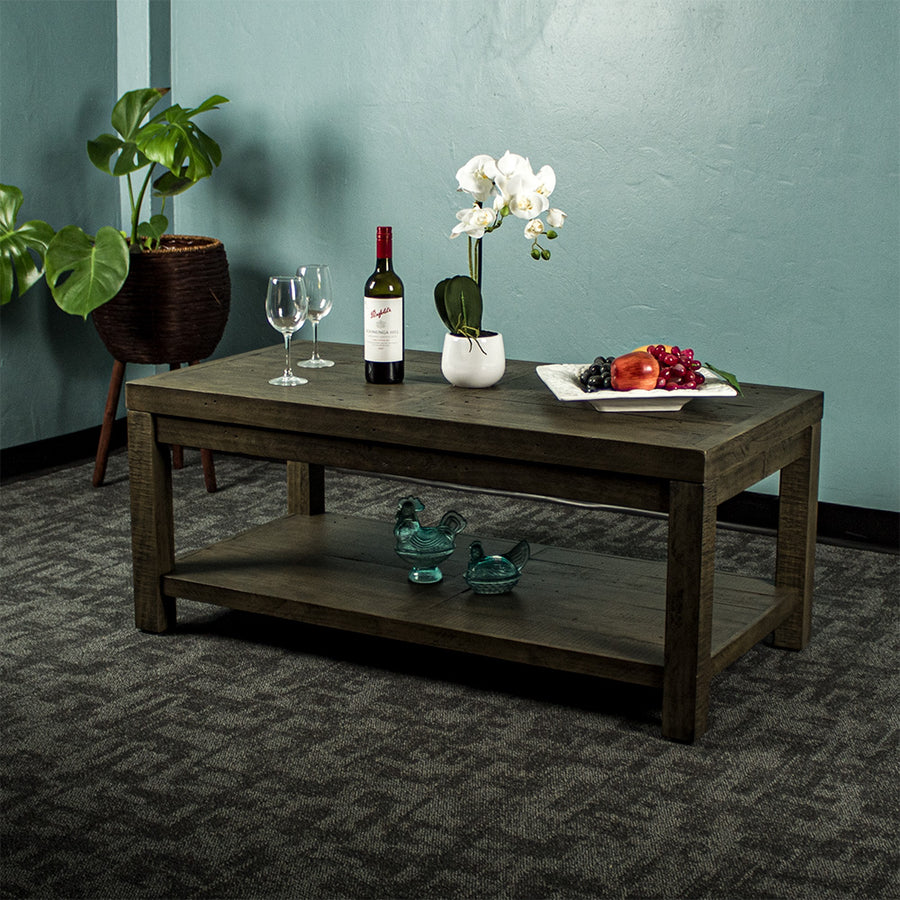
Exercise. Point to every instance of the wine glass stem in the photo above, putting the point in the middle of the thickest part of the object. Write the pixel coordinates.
(315, 340)
(287, 355)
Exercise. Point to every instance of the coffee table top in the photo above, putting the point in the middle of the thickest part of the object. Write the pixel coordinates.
(517, 419)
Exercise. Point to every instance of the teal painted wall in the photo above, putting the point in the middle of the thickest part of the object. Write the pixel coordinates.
(57, 86)
(729, 170)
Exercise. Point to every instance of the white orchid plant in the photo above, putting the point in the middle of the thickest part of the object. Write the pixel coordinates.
(499, 188)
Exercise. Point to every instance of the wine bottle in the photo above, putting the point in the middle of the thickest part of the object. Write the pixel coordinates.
(383, 305)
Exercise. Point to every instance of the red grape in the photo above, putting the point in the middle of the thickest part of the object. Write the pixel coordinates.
(678, 370)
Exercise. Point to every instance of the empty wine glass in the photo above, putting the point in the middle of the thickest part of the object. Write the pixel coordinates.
(286, 308)
(317, 280)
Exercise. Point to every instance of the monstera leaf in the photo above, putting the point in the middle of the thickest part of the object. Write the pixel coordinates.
(174, 141)
(19, 245)
(170, 140)
(85, 272)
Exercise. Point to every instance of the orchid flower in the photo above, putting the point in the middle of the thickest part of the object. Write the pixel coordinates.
(514, 176)
(512, 164)
(477, 176)
(528, 205)
(534, 229)
(555, 218)
(511, 187)
(546, 181)
(474, 221)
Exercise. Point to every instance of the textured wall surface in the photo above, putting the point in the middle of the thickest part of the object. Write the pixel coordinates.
(57, 86)
(729, 170)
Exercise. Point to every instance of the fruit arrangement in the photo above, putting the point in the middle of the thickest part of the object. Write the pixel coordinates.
(597, 376)
(652, 367)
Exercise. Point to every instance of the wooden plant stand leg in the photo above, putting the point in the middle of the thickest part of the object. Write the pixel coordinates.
(209, 470)
(152, 524)
(109, 418)
(796, 549)
(689, 601)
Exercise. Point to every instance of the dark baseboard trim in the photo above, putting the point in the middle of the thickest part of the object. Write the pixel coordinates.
(872, 529)
(851, 526)
(56, 452)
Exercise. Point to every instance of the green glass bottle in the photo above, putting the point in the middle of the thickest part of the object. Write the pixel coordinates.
(383, 310)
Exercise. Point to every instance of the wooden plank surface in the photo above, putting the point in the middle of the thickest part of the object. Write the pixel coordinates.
(518, 419)
(571, 610)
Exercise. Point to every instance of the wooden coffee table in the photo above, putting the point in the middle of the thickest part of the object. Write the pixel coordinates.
(670, 625)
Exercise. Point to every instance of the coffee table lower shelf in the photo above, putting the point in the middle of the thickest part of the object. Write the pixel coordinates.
(572, 610)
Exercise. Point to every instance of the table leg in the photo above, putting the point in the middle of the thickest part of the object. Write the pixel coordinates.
(152, 524)
(177, 449)
(796, 550)
(306, 488)
(206, 458)
(689, 600)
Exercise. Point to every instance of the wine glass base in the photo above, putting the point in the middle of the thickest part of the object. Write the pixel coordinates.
(288, 381)
(316, 363)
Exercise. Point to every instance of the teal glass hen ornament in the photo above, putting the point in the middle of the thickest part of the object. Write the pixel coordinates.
(495, 574)
(425, 547)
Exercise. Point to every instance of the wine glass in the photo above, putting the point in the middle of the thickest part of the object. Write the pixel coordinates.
(286, 308)
(317, 280)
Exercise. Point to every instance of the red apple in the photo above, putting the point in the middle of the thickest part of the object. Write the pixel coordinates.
(634, 371)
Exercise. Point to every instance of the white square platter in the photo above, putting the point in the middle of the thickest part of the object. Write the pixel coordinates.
(563, 382)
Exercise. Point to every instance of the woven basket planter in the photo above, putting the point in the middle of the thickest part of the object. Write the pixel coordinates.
(173, 306)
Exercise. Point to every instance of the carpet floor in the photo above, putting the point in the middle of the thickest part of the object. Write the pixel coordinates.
(241, 757)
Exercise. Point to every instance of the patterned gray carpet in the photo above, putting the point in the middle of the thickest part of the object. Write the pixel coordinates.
(244, 758)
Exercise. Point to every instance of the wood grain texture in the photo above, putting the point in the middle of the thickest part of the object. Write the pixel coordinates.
(572, 610)
(655, 624)
(152, 524)
(409, 461)
(689, 604)
(796, 547)
(702, 441)
(305, 488)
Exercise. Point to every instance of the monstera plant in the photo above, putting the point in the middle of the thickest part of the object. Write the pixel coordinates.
(153, 297)
(19, 246)
(167, 154)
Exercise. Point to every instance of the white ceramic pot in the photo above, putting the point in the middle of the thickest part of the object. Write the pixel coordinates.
(471, 364)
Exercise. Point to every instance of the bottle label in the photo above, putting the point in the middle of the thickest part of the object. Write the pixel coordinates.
(384, 328)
